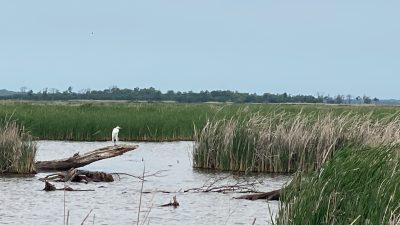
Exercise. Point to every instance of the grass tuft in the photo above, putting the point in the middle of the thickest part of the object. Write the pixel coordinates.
(17, 149)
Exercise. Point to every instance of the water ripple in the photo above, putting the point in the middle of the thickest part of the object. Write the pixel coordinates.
(23, 202)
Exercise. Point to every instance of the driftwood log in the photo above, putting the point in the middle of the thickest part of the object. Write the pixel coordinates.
(81, 160)
(272, 195)
(51, 187)
(75, 175)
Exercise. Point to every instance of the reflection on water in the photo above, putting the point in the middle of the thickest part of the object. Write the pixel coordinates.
(23, 202)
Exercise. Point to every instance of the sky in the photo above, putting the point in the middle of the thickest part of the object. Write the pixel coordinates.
(257, 46)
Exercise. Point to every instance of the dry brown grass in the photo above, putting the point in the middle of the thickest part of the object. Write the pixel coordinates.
(17, 149)
(281, 142)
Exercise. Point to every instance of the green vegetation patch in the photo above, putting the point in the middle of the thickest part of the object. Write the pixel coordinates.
(94, 121)
(89, 120)
(357, 186)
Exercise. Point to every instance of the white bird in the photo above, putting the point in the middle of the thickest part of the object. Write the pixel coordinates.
(114, 135)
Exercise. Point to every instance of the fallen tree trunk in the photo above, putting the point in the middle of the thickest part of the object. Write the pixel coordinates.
(84, 159)
(272, 195)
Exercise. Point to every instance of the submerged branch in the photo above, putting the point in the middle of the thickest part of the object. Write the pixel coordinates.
(174, 203)
(75, 175)
(154, 174)
(243, 186)
(271, 195)
(50, 187)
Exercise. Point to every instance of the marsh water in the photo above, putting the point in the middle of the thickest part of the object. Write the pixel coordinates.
(22, 200)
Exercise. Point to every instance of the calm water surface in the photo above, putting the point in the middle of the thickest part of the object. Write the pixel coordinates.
(23, 202)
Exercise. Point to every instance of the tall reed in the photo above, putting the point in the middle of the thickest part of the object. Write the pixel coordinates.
(287, 142)
(17, 149)
(359, 185)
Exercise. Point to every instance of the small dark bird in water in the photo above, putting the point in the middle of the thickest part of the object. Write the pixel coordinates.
(76, 155)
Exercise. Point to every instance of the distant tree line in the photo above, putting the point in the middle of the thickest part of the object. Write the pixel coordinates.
(153, 95)
(348, 99)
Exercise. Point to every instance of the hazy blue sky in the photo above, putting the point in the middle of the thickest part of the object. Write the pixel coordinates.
(298, 46)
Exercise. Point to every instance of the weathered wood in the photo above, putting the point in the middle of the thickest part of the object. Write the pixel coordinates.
(84, 159)
(96, 176)
(75, 175)
(51, 187)
(71, 174)
(272, 195)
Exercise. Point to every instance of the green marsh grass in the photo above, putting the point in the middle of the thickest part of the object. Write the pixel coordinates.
(94, 121)
(141, 121)
(359, 185)
(287, 142)
(17, 149)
